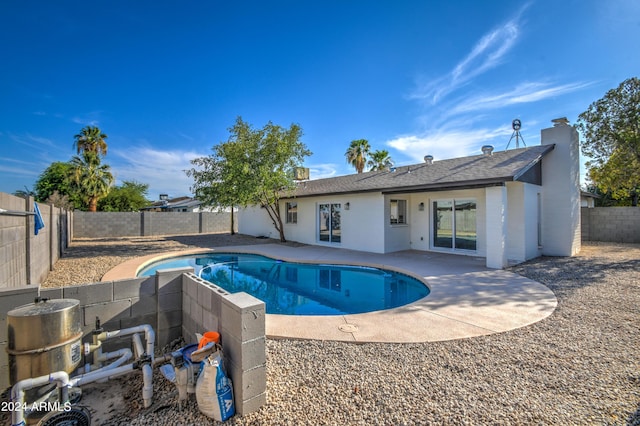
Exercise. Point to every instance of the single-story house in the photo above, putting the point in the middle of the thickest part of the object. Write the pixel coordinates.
(588, 199)
(506, 206)
(178, 204)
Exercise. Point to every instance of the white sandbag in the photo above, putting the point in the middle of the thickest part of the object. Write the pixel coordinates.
(214, 391)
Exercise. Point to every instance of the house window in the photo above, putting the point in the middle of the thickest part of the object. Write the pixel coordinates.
(398, 212)
(292, 212)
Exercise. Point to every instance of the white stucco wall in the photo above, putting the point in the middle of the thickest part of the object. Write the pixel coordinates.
(361, 225)
(362, 229)
(522, 225)
(255, 221)
(532, 202)
(420, 222)
(516, 224)
(496, 222)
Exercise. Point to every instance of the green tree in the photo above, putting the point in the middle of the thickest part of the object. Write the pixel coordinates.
(91, 179)
(380, 160)
(611, 138)
(357, 154)
(128, 197)
(253, 167)
(91, 139)
(54, 178)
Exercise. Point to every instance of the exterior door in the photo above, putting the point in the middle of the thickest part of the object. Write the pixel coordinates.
(329, 223)
(454, 224)
(443, 224)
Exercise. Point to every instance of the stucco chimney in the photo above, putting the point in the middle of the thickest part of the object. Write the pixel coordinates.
(561, 190)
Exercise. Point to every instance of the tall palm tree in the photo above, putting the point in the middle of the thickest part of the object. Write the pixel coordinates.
(91, 139)
(357, 154)
(380, 160)
(92, 179)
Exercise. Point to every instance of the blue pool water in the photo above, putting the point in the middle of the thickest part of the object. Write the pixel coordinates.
(302, 288)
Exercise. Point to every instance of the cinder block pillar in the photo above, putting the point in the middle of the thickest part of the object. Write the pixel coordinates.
(145, 223)
(243, 339)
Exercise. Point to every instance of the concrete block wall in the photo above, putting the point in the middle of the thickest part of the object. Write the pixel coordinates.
(158, 223)
(106, 224)
(13, 243)
(240, 320)
(611, 224)
(135, 224)
(26, 258)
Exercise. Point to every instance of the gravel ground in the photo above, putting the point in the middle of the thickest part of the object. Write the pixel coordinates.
(581, 365)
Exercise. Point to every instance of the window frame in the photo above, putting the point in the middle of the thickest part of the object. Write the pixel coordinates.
(402, 218)
(291, 217)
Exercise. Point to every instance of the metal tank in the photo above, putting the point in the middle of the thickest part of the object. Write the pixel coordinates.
(43, 337)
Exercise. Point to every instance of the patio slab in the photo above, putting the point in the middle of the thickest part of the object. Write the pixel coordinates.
(466, 300)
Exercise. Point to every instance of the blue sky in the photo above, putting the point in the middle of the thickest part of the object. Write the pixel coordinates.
(165, 80)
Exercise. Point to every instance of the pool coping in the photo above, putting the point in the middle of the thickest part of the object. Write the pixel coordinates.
(466, 299)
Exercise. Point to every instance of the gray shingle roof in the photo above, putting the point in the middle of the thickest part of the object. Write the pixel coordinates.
(473, 171)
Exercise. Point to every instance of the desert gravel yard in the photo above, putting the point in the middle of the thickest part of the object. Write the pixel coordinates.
(581, 365)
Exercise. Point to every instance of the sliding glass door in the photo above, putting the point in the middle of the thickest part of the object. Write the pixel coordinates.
(329, 223)
(454, 224)
(443, 224)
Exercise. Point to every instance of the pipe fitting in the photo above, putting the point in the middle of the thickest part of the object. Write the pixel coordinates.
(17, 391)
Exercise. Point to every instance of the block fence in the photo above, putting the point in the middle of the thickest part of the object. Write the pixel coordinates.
(26, 258)
(611, 224)
(141, 224)
(176, 304)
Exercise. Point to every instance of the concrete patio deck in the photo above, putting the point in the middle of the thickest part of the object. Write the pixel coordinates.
(466, 300)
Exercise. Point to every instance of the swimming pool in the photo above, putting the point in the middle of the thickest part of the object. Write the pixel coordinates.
(301, 288)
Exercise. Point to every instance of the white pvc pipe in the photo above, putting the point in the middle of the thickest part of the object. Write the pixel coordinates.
(123, 356)
(147, 389)
(137, 345)
(149, 335)
(103, 373)
(17, 391)
(147, 372)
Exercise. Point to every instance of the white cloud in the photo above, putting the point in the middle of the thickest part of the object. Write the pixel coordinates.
(446, 143)
(163, 171)
(91, 118)
(453, 126)
(19, 171)
(523, 93)
(322, 171)
(488, 53)
(31, 140)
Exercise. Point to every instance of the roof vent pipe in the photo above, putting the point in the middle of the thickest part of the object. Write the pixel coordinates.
(487, 149)
(428, 159)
